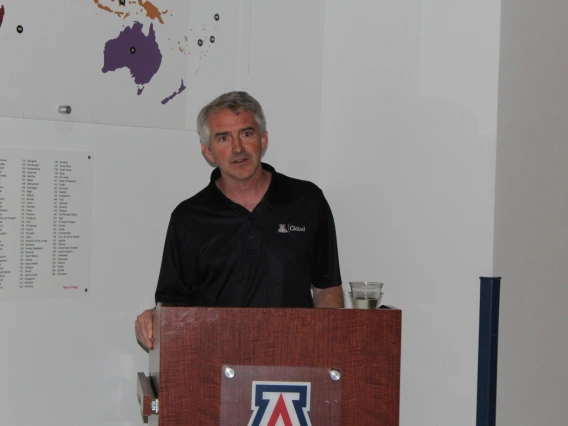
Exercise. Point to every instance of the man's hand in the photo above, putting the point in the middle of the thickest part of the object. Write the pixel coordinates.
(144, 328)
(328, 297)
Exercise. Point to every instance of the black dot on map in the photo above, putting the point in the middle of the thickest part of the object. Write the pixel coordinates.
(20, 29)
(217, 16)
(122, 2)
(200, 42)
(132, 50)
(212, 39)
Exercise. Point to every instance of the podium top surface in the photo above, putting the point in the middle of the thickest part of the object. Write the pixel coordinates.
(382, 308)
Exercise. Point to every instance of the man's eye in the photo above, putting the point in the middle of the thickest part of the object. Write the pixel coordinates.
(247, 134)
(224, 138)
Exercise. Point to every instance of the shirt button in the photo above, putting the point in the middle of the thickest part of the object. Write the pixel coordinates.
(251, 235)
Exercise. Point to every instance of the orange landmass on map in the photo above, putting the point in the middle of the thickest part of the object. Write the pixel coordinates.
(152, 11)
(103, 7)
(1, 14)
(108, 9)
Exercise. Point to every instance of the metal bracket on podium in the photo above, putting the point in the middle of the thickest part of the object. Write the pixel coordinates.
(149, 403)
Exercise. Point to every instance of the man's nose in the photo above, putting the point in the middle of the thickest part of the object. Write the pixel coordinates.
(238, 145)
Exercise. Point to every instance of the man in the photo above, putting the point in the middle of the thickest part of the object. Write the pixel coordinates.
(252, 237)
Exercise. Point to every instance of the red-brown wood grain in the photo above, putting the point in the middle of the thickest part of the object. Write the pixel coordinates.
(192, 345)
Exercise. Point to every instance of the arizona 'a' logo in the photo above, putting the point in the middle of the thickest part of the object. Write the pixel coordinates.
(280, 404)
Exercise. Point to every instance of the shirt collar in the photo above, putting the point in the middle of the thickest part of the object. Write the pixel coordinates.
(216, 173)
(270, 196)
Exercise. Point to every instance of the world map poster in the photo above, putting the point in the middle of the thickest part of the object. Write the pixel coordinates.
(149, 63)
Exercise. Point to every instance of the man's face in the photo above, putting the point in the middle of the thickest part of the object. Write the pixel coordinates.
(236, 145)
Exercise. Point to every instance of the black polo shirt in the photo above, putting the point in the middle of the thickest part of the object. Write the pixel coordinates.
(217, 253)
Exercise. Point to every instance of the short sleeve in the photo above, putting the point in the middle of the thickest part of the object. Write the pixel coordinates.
(326, 272)
(176, 279)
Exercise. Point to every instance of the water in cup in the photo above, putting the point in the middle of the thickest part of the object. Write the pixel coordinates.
(361, 303)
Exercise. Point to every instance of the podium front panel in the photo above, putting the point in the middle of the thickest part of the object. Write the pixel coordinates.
(194, 344)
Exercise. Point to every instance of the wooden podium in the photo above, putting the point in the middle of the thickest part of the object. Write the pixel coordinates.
(242, 366)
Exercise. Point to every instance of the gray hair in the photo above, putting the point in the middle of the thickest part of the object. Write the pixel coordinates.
(235, 102)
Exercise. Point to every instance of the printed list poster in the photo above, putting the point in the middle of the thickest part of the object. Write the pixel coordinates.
(45, 222)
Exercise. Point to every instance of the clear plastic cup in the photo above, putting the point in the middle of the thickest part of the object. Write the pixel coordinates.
(366, 294)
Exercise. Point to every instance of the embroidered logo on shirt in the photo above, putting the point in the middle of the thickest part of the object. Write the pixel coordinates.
(280, 403)
(291, 228)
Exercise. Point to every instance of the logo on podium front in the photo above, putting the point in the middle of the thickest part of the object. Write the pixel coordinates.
(280, 404)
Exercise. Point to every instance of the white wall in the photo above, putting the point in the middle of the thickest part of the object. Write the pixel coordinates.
(531, 232)
(74, 362)
(285, 76)
(400, 133)
(407, 163)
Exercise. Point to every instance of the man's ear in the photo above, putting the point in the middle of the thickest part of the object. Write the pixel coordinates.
(264, 142)
(207, 153)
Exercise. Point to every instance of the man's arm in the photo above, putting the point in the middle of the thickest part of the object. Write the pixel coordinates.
(171, 286)
(328, 297)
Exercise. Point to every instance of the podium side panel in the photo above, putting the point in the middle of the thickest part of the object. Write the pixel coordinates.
(154, 367)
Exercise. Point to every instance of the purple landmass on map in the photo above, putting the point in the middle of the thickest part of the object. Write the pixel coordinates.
(136, 51)
(173, 95)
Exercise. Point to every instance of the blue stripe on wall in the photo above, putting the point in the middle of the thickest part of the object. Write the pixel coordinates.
(487, 361)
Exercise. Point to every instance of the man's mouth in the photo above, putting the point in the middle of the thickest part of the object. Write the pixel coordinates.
(240, 160)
